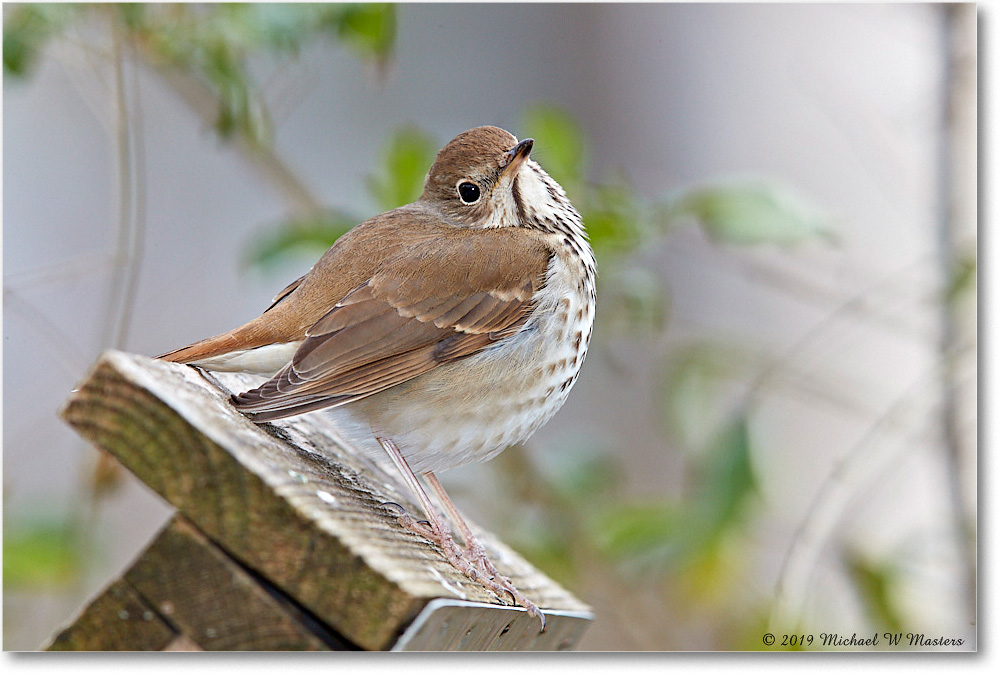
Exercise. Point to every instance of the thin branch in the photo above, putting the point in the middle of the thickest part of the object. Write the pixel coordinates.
(65, 351)
(780, 364)
(796, 283)
(125, 267)
(861, 465)
(957, 154)
(81, 266)
(263, 159)
(137, 171)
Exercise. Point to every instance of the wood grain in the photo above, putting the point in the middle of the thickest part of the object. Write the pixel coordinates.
(218, 604)
(119, 619)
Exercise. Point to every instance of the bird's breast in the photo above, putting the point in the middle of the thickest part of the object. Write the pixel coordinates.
(472, 409)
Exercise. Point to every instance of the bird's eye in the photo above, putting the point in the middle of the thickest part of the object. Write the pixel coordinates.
(469, 192)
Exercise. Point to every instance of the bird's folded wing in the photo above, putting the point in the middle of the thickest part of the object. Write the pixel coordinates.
(420, 311)
(285, 292)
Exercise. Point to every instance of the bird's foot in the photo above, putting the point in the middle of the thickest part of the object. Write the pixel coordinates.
(475, 552)
(452, 552)
(471, 560)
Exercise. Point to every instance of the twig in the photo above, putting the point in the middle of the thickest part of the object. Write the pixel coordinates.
(66, 353)
(855, 471)
(957, 154)
(138, 229)
(60, 271)
(263, 159)
(131, 200)
(849, 307)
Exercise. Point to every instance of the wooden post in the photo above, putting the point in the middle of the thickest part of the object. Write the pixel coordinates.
(282, 539)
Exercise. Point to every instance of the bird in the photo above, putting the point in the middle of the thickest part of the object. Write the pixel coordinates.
(438, 333)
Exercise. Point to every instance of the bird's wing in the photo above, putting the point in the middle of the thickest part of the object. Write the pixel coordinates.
(285, 292)
(451, 298)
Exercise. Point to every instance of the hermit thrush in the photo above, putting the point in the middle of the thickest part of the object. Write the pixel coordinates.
(440, 332)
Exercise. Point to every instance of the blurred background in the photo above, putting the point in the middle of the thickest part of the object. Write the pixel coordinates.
(776, 426)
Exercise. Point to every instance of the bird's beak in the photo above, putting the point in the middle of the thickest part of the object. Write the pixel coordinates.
(517, 155)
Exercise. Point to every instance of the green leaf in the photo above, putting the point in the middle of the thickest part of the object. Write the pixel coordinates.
(42, 553)
(874, 583)
(403, 165)
(693, 390)
(239, 111)
(673, 534)
(728, 478)
(636, 302)
(963, 277)
(751, 213)
(585, 476)
(638, 530)
(283, 27)
(559, 147)
(369, 28)
(26, 29)
(613, 216)
(309, 235)
(216, 42)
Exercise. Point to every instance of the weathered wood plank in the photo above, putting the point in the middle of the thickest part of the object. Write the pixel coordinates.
(284, 499)
(118, 619)
(219, 605)
(458, 625)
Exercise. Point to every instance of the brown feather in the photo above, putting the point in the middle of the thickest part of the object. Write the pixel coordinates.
(350, 262)
(446, 295)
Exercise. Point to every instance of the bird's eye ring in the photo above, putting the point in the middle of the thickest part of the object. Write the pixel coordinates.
(468, 192)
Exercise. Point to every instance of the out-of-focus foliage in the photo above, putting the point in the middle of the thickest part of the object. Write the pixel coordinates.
(963, 278)
(618, 221)
(41, 553)
(26, 28)
(692, 387)
(212, 42)
(404, 163)
(661, 535)
(874, 584)
(621, 223)
(398, 180)
(751, 213)
(305, 234)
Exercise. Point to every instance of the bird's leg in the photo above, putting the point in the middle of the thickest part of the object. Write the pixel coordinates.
(437, 532)
(472, 544)
(440, 535)
(477, 552)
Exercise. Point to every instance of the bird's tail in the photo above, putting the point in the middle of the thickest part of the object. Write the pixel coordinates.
(246, 337)
(203, 349)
